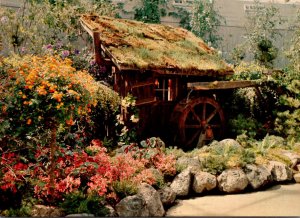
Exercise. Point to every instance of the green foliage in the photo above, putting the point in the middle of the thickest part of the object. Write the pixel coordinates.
(205, 21)
(149, 12)
(220, 157)
(245, 125)
(125, 188)
(77, 203)
(38, 23)
(127, 121)
(261, 33)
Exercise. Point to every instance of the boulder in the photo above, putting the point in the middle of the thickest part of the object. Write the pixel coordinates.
(257, 175)
(167, 196)
(232, 180)
(181, 183)
(230, 143)
(45, 211)
(111, 211)
(132, 206)
(297, 177)
(280, 171)
(294, 158)
(188, 162)
(152, 199)
(204, 181)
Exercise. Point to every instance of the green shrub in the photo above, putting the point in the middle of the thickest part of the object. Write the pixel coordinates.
(124, 188)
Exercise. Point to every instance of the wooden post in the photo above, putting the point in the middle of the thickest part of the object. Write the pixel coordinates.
(97, 47)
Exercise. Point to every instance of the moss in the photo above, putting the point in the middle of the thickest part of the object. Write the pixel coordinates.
(138, 45)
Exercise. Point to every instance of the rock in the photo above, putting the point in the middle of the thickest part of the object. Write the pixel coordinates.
(111, 211)
(232, 180)
(181, 183)
(280, 171)
(132, 206)
(294, 158)
(46, 211)
(204, 181)
(258, 176)
(152, 199)
(297, 177)
(230, 143)
(81, 215)
(186, 162)
(167, 196)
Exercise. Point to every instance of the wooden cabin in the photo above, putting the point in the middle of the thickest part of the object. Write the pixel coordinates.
(153, 62)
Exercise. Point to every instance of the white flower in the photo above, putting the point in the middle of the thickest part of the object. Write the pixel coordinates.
(134, 119)
(124, 131)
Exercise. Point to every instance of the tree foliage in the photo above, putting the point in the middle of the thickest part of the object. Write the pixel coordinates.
(261, 33)
(205, 21)
(40, 22)
(149, 12)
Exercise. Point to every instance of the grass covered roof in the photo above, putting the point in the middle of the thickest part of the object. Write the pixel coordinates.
(137, 45)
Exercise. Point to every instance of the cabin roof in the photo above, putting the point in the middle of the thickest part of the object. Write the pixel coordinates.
(135, 45)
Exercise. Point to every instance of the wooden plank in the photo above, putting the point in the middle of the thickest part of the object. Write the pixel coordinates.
(90, 29)
(145, 101)
(111, 57)
(141, 84)
(222, 85)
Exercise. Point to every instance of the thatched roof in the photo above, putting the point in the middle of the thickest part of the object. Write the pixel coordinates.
(141, 46)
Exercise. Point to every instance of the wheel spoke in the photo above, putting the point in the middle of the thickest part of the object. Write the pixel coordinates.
(204, 111)
(215, 126)
(211, 115)
(195, 115)
(196, 134)
(192, 126)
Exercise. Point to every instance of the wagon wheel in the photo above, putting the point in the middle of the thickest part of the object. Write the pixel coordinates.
(199, 120)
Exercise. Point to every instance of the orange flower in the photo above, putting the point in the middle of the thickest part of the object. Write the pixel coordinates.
(24, 96)
(70, 122)
(57, 96)
(29, 121)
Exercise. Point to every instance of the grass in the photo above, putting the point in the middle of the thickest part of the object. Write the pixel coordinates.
(138, 45)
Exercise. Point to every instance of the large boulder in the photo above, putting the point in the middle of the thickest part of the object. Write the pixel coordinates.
(297, 177)
(186, 162)
(204, 181)
(232, 180)
(152, 199)
(167, 196)
(181, 183)
(230, 143)
(280, 171)
(257, 175)
(294, 158)
(45, 211)
(132, 206)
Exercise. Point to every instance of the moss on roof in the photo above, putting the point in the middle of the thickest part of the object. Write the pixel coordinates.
(137, 45)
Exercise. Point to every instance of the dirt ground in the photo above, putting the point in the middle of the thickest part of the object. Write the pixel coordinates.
(279, 200)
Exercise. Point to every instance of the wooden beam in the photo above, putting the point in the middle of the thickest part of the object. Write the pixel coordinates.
(222, 85)
(97, 47)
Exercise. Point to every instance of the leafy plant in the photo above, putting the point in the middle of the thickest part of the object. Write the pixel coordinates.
(41, 22)
(77, 203)
(205, 21)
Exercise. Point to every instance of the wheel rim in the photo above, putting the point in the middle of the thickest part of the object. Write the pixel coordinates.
(201, 120)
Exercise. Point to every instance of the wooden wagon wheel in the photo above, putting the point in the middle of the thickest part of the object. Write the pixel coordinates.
(199, 120)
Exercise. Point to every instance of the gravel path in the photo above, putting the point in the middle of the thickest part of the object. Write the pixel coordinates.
(279, 200)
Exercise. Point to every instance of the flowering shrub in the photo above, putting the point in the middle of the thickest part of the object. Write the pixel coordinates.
(44, 88)
(91, 171)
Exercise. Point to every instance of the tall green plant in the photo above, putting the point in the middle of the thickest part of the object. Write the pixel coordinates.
(205, 21)
(40, 22)
(149, 12)
(261, 34)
